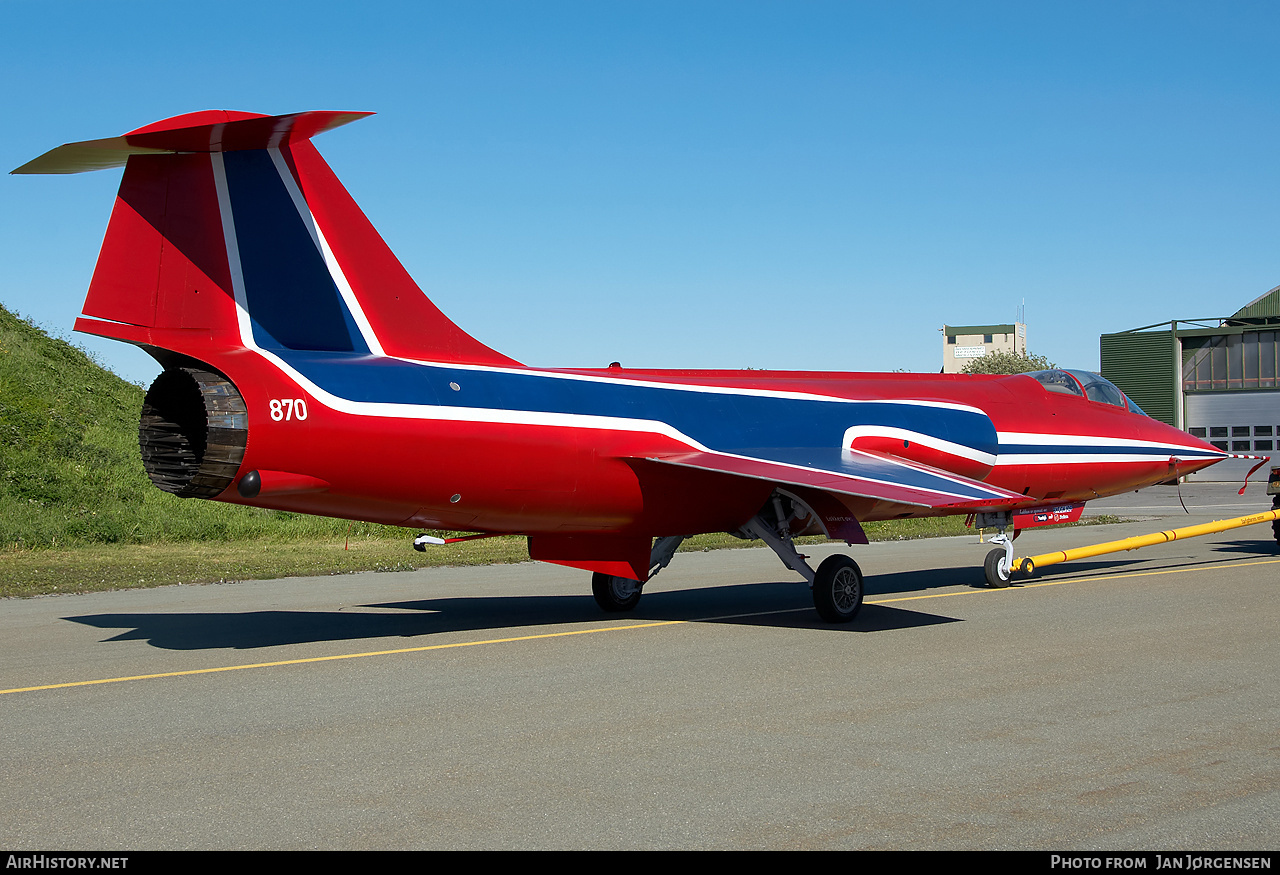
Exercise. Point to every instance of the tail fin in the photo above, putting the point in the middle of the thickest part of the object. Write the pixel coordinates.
(230, 230)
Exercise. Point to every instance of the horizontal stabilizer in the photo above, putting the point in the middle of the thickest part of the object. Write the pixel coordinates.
(214, 130)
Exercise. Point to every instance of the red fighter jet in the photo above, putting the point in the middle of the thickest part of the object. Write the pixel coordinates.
(304, 370)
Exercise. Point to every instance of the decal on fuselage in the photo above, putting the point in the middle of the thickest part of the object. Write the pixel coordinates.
(297, 311)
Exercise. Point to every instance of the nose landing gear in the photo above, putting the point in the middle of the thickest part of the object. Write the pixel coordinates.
(998, 566)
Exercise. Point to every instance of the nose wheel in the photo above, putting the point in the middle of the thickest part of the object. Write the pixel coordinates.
(997, 569)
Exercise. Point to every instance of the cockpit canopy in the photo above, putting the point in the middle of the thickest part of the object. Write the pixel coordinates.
(1085, 384)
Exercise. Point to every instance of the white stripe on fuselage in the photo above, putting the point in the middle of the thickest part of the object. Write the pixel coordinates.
(1038, 439)
(1011, 459)
(233, 250)
(322, 245)
(464, 414)
(576, 420)
(366, 330)
(925, 440)
(1141, 450)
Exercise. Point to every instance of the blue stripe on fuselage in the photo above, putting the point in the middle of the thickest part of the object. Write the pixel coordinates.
(1102, 450)
(289, 293)
(797, 431)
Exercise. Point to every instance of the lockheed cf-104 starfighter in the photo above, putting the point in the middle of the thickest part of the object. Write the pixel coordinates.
(304, 370)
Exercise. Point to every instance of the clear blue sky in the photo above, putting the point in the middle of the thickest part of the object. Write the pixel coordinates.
(770, 185)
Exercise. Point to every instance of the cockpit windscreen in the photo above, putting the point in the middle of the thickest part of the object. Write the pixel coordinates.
(1069, 381)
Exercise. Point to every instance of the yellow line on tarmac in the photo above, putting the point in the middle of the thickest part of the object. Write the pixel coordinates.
(1149, 573)
(910, 598)
(174, 674)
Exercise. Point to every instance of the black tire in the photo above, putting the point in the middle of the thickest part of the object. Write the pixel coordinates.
(991, 567)
(837, 589)
(615, 594)
(1275, 524)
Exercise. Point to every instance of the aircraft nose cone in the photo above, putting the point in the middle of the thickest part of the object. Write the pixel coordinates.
(1190, 452)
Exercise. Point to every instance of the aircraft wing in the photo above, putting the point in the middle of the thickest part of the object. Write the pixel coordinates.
(860, 473)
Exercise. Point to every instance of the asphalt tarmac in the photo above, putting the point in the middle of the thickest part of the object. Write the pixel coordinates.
(1127, 702)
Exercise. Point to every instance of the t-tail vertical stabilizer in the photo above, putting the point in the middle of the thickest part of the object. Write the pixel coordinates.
(230, 232)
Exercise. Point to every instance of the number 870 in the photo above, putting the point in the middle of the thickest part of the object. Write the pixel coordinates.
(288, 408)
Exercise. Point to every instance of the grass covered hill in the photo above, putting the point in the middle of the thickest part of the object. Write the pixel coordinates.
(70, 471)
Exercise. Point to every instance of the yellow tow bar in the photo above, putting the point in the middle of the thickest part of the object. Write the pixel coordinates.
(1029, 565)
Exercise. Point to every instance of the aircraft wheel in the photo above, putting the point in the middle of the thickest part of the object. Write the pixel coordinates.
(615, 594)
(995, 577)
(837, 590)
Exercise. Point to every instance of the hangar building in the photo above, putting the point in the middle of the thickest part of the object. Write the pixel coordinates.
(1215, 378)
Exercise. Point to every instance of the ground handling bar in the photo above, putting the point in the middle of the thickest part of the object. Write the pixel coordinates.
(1027, 566)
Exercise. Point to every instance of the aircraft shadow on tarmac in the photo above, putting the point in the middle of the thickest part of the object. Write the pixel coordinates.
(782, 605)
(1249, 548)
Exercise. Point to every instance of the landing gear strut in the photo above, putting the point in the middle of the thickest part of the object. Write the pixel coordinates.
(998, 567)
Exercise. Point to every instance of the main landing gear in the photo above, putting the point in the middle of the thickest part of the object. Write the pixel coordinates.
(837, 589)
(616, 594)
(836, 585)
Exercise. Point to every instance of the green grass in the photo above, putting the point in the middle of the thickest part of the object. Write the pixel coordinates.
(70, 472)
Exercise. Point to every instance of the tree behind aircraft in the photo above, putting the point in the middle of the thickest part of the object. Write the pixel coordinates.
(1008, 362)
